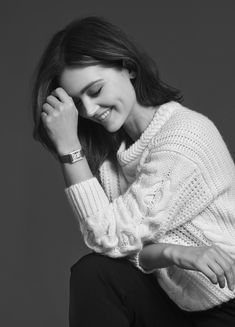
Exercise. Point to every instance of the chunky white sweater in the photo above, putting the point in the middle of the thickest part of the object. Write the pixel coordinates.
(175, 184)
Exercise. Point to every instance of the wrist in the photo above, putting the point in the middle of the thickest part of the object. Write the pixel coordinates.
(65, 149)
(170, 253)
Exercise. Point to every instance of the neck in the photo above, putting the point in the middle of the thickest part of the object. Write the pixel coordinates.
(138, 121)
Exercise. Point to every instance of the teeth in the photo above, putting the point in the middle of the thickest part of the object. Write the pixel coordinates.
(103, 116)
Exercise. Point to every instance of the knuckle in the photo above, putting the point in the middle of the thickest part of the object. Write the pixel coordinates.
(211, 250)
(197, 262)
(70, 101)
(70, 105)
(231, 262)
(47, 119)
(228, 268)
(55, 114)
(230, 274)
(60, 107)
(204, 256)
(43, 116)
(217, 248)
(58, 89)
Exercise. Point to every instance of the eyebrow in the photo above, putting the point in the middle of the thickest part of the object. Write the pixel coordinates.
(89, 85)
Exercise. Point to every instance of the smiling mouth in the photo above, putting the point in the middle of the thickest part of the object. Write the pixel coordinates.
(105, 115)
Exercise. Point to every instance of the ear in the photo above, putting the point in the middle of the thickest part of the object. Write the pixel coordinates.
(131, 73)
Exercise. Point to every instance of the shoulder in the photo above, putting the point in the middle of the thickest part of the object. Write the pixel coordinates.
(187, 131)
(186, 121)
(189, 143)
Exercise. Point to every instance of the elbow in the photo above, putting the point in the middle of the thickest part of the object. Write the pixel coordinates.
(111, 245)
(103, 244)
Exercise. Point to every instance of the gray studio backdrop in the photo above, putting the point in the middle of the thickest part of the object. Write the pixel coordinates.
(193, 44)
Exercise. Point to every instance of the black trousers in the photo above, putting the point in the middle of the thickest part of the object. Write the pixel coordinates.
(113, 293)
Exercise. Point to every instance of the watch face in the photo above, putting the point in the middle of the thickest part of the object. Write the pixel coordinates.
(76, 155)
(72, 156)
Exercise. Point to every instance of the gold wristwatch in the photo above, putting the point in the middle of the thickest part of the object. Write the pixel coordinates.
(72, 157)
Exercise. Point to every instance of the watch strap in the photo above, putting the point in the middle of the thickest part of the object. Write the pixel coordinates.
(72, 157)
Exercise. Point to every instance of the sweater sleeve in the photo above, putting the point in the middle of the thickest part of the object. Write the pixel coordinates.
(169, 190)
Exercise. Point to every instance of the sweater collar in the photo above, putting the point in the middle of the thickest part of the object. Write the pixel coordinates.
(162, 114)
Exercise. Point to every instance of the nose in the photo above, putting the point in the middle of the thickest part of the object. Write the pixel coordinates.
(90, 108)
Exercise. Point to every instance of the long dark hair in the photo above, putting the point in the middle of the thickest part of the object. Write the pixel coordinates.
(90, 41)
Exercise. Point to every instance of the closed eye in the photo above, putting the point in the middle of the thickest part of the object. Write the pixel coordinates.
(95, 93)
(78, 102)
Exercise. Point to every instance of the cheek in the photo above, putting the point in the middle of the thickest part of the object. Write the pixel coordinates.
(120, 91)
(130, 95)
(127, 92)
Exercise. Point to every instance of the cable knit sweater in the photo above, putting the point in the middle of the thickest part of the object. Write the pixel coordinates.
(175, 184)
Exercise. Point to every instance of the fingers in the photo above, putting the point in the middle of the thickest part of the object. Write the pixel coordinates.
(53, 101)
(47, 109)
(61, 94)
(217, 265)
(229, 275)
(228, 267)
(209, 274)
(215, 273)
(222, 266)
(219, 272)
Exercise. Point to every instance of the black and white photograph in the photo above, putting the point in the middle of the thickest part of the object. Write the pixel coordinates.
(118, 172)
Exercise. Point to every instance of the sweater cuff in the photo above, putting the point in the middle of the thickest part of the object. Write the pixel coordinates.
(135, 260)
(87, 197)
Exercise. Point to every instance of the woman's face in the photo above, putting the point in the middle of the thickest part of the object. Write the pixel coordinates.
(104, 95)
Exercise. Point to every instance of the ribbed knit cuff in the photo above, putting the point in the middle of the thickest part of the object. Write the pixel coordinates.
(87, 197)
(135, 260)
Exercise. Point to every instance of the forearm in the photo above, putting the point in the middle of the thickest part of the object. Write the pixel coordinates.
(76, 173)
(159, 255)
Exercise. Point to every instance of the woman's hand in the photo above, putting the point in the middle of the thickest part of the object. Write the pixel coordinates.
(60, 118)
(210, 260)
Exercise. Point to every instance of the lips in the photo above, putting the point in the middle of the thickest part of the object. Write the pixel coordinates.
(104, 115)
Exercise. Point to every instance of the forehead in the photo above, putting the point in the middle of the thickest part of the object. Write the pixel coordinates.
(73, 80)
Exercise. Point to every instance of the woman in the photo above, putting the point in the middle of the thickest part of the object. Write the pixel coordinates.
(150, 181)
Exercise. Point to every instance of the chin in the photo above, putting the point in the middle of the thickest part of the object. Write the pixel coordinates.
(112, 128)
